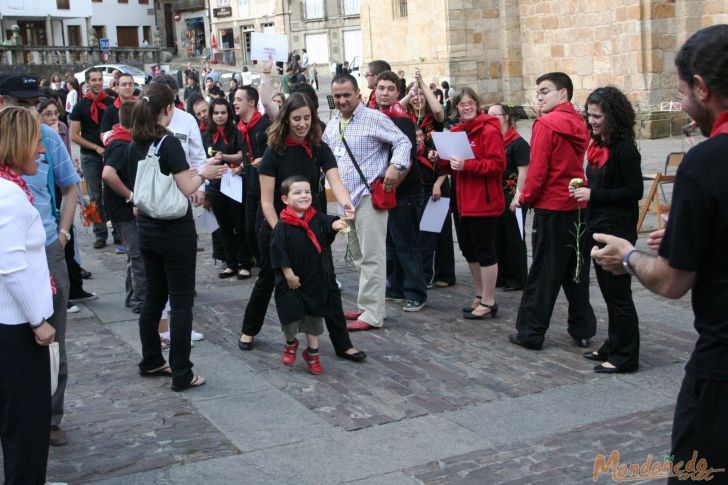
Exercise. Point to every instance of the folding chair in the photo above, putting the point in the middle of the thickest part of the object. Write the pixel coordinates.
(652, 203)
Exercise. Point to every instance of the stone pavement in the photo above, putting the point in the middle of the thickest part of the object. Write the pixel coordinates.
(439, 400)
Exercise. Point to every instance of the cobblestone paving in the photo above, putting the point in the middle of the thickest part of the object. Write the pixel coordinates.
(562, 459)
(118, 423)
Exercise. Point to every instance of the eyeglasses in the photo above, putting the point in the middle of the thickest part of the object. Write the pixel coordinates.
(466, 104)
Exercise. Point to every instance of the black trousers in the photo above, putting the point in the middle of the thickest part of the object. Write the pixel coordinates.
(510, 248)
(74, 269)
(251, 226)
(553, 266)
(700, 425)
(170, 254)
(622, 347)
(25, 405)
(263, 291)
(230, 216)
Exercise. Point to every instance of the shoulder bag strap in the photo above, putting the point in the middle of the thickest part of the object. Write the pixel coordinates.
(356, 165)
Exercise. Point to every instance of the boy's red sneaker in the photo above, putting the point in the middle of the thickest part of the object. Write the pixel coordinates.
(289, 353)
(354, 315)
(313, 363)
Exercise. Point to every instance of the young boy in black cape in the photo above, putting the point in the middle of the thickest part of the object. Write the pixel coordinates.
(303, 273)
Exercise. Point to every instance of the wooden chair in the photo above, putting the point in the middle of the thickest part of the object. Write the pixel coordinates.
(653, 204)
(671, 162)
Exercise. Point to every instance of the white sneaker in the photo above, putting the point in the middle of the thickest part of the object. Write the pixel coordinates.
(196, 336)
(73, 309)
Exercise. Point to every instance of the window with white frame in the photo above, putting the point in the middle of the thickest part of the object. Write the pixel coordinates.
(350, 7)
(313, 9)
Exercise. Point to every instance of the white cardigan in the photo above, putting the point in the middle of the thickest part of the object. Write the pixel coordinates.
(25, 286)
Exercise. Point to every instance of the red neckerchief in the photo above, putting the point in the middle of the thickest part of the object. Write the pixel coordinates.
(292, 142)
(372, 103)
(179, 105)
(219, 133)
(246, 128)
(202, 125)
(423, 159)
(395, 111)
(290, 217)
(597, 155)
(118, 133)
(96, 105)
(510, 136)
(118, 101)
(720, 127)
(426, 123)
(8, 174)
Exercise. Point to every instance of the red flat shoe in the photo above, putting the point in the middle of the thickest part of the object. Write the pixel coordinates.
(289, 353)
(313, 363)
(358, 326)
(353, 315)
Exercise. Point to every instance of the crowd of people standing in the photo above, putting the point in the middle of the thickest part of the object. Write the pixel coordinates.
(581, 176)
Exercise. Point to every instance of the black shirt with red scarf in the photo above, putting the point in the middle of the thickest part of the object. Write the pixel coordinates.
(258, 143)
(228, 142)
(89, 128)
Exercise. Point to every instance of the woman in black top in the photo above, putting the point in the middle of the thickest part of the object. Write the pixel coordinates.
(295, 148)
(615, 188)
(222, 145)
(169, 247)
(510, 243)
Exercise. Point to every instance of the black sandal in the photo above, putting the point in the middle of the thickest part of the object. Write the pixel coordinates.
(470, 308)
(195, 382)
(164, 371)
(596, 356)
(492, 313)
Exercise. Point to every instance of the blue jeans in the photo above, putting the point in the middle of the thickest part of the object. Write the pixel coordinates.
(92, 166)
(405, 276)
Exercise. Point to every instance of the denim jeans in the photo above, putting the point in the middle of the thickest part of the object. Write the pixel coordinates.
(169, 251)
(92, 166)
(405, 276)
(136, 279)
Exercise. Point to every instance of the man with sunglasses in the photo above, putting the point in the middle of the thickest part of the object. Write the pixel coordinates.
(55, 169)
(558, 145)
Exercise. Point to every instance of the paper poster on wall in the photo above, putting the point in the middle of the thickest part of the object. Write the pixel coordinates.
(268, 46)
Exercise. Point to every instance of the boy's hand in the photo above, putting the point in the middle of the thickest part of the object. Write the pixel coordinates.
(294, 282)
(339, 225)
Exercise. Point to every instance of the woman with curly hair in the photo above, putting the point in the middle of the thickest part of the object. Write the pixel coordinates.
(614, 189)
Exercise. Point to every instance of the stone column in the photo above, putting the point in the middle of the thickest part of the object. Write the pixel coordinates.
(49, 31)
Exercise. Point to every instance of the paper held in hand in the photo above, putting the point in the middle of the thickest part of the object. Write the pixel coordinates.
(268, 46)
(207, 221)
(232, 186)
(433, 218)
(449, 144)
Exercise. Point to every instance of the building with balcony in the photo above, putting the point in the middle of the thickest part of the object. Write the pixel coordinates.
(329, 30)
(126, 23)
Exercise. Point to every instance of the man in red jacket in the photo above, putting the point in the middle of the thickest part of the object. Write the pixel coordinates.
(558, 143)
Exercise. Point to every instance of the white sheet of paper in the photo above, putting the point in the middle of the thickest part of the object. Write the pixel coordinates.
(268, 46)
(207, 221)
(232, 186)
(435, 213)
(450, 145)
(519, 219)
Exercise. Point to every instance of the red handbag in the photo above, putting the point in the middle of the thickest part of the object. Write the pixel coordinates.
(381, 199)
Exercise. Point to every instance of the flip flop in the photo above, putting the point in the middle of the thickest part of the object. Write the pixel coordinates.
(164, 371)
(196, 381)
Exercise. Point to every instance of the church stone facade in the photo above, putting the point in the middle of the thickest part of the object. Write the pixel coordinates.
(499, 47)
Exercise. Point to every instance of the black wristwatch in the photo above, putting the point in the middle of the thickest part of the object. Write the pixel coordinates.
(625, 262)
(37, 325)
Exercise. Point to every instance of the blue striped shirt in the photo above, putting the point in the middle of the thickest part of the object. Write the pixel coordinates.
(64, 175)
(371, 135)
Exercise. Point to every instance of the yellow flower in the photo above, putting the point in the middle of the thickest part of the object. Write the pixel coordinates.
(211, 152)
(577, 182)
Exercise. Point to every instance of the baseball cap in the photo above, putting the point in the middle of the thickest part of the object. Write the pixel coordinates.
(20, 85)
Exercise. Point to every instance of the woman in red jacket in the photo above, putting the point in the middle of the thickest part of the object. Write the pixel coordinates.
(479, 199)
